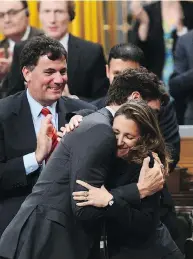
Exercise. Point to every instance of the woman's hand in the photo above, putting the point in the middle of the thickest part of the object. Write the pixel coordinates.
(97, 197)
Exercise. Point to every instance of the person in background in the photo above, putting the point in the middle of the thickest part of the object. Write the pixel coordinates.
(22, 156)
(156, 28)
(14, 25)
(86, 61)
(181, 81)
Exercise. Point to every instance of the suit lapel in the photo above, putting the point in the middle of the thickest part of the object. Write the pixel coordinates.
(23, 125)
(73, 59)
(61, 114)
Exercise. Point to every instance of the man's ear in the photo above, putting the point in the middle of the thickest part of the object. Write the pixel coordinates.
(107, 71)
(26, 74)
(135, 96)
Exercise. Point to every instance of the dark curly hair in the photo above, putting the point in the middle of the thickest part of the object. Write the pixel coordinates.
(141, 80)
(70, 6)
(151, 139)
(39, 46)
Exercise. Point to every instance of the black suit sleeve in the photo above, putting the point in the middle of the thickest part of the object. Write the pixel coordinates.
(170, 131)
(12, 172)
(14, 81)
(132, 217)
(182, 78)
(92, 154)
(99, 84)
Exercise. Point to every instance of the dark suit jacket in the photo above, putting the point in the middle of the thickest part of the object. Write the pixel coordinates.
(33, 32)
(51, 203)
(154, 59)
(17, 138)
(5, 87)
(86, 70)
(181, 81)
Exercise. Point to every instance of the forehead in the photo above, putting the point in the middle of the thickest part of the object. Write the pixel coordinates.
(7, 5)
(119, 64)
(44, 62)
(53, 5)
(126, 126)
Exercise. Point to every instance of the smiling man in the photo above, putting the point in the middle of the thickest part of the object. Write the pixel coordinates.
(43, 64)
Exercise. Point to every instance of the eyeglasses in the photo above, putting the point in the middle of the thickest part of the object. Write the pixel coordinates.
(11, 13)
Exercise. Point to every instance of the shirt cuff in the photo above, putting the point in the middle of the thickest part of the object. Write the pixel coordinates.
(182, 32)
(30, 163)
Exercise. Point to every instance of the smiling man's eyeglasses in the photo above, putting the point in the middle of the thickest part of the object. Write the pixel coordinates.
(11, 13)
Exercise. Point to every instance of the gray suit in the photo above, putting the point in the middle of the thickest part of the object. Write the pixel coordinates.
(49, 225)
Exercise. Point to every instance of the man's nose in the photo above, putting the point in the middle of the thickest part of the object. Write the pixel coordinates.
(59, 79)
(52, 17)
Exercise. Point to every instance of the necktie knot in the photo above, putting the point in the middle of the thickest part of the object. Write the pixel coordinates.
(45, 111)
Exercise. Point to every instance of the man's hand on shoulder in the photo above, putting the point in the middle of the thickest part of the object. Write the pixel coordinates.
(74, 123)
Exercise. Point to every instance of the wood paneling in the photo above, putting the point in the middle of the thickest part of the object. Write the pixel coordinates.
(186, 155)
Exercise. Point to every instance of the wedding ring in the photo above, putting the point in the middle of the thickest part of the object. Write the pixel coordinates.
(85, 194)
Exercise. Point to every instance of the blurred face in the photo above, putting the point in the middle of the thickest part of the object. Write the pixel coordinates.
(13, 20)
(118, 65)
(127, 134)
(47, 80)
(54, 18)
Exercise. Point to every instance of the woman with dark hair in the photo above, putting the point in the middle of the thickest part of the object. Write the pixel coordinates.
(138, 136)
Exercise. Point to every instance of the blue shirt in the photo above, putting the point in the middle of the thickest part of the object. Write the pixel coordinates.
(30, 162)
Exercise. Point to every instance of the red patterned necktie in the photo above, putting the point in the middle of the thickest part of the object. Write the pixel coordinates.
(53, 135)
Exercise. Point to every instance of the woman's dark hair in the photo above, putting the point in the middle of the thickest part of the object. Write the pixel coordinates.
(151, 139)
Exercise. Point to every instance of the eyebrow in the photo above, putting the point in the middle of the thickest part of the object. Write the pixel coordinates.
(54, 70)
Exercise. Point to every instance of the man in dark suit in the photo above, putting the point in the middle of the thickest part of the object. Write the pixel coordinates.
(14, 24)
(51, 223)
(21, 158)
(86, 62)
(181, 85)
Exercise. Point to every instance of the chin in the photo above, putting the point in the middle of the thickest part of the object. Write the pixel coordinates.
(122, 153)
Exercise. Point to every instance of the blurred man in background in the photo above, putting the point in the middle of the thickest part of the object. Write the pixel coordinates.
(86, 62)
(14, 25)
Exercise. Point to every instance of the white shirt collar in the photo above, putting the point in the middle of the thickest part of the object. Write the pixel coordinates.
(25, 37)
(64, 41)
(36, 107)
(111, 110)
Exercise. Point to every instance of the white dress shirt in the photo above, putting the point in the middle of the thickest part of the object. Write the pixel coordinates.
(64, 41)
(30, 162)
